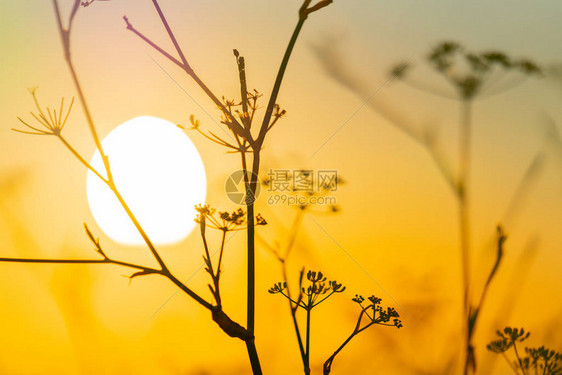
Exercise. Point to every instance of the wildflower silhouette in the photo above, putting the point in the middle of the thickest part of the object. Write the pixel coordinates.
(53, 123)
(318, 290)
(372, 311)
(236, 117)
(471, 75)
(374, 314)
(538, 360)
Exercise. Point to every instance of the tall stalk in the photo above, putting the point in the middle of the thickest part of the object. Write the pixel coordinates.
(246, 144)
(464, 178)
(251, 187)
(464, 222)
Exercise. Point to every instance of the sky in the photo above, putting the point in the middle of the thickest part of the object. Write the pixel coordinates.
(396, 235)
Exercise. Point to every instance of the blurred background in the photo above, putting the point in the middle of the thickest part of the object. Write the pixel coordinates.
(398, 217)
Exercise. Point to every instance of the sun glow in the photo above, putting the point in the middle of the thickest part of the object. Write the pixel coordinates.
(160, 175)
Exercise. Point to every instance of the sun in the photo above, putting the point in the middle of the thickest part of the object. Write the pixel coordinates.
(159, 173)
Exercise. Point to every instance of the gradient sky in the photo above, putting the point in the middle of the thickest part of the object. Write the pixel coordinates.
(398, 218)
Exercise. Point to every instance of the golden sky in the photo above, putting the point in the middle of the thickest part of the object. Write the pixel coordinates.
(398, 217)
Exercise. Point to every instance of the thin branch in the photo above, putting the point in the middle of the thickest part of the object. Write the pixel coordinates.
(81, 261)
(56, 261)
(280, 75)
(474, 313)
(323, 299)
(518, 358)
(151, 43)
(187, 290)
(223, 240)
(328, 364)
(65, 37)
(171, 35)
(80, 158)
(184, 65)
(243, 89)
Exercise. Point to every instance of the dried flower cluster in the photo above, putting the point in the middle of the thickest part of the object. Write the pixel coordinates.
(318, 290)
(538, 360)
(468, 71)
(223, 220)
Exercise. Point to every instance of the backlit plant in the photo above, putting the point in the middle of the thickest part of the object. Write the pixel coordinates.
(237, 115)
(539, 360)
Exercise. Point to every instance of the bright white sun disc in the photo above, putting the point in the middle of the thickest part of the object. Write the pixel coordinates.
(160, 175)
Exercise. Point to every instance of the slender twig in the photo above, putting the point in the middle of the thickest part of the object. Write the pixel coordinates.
(464, 222)
(328, 364)
(474, 313)
(188, 291)
(518, 357)
(243, 89)
(307, 348)
(380, 318)
(281, 73)
(464, 173)
(65, 37)
(80, 158)
(146, 270)
(221, 251)
(214, 276)
(184, 65)
(293, 309)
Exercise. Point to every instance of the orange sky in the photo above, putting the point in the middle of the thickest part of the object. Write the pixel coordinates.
(398, 218)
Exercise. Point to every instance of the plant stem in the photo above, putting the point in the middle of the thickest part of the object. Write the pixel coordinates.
(307, 350)
(251, 297)
(65, 37)
(236, 127)
(328, 363)
(244, 132)
(294, 309)
(250, 195)
(279, 79)
(518, 358)
(253, 355)
(464, 175)
(464, 221)
(80, 157)
(474, 313)
(223, 239)
(187, 290)
(251, 270)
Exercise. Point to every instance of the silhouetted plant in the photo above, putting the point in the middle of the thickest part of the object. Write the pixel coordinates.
(309, 206)
(474, 311)
(538, 360)
(472, 76)
(317, 290)
(372, 313)
(469, 74)
(236, 116)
